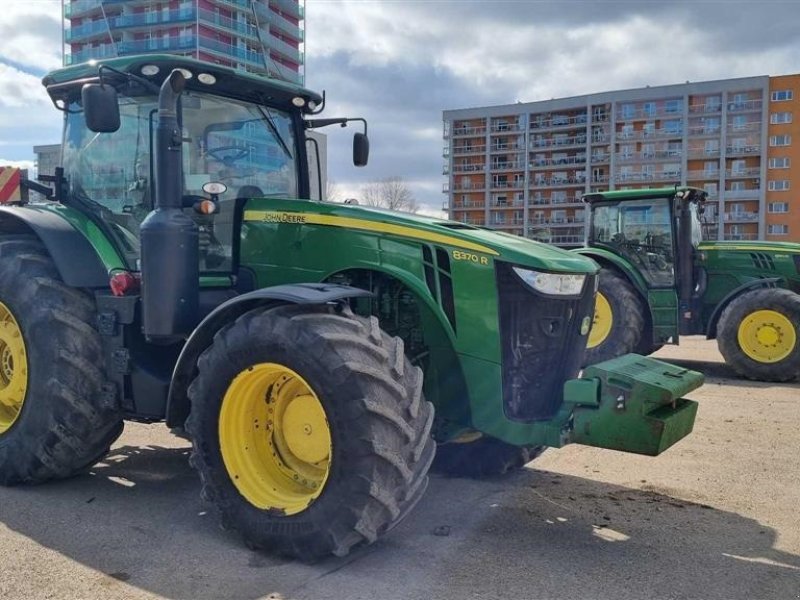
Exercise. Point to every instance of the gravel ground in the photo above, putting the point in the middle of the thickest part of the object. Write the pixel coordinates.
(716, 516)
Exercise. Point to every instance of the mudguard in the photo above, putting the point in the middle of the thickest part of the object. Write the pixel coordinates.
(74, 256)
(301, 293)
(711, 332)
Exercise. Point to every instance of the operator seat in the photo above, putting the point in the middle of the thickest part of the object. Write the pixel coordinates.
(250, 191)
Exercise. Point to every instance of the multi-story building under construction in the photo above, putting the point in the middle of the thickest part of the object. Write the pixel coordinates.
(260, 36)
(523, 167)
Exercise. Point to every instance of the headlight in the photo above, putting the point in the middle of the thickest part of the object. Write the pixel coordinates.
(555, 284)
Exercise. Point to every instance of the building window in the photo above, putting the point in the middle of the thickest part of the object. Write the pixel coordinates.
(780, 185)
(778, 229)
(650, 109)
(782, 162)
(778, 207)
(780, 117)
(673, 126)
(628, 111)
(780, 140)
(739, 122)
(781, 95)
(672, 106)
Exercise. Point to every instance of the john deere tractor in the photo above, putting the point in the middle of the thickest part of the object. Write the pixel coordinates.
(302, 346)
(660, 281)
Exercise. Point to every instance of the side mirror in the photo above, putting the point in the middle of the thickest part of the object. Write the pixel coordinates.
(360, 149)
(100, 108)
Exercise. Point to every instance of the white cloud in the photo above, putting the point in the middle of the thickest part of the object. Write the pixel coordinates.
(21, 164)
(30, 33)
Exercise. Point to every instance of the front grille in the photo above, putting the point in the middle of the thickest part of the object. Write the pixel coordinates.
(541, 344)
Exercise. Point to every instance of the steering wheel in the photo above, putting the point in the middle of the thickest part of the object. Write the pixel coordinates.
(239, 154)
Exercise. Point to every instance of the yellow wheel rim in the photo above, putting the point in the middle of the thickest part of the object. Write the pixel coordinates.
(275, 438)
(767, 336)
(603, 320)
(13, 369)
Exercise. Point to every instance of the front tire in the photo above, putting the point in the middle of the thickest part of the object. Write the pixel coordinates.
(759, 334)
(309, 430)
(56, 418)
(619, 319)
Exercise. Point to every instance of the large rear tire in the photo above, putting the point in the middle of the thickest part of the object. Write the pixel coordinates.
(759, 334)
(482, 457)
(619, 319)
(310, 432)
(56, 418)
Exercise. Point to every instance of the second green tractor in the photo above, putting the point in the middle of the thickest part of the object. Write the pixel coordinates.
(659, 281)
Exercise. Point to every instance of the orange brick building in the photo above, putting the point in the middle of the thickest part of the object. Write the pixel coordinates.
(522, 168)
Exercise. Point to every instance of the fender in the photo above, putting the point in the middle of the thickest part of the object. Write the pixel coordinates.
(202, 336)
(604, 256)
(711, 332)
(74, 256)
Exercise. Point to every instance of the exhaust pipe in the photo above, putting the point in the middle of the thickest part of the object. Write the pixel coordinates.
(170, 262)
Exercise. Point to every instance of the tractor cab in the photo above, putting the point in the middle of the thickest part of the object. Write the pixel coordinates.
(654, 233)
(243, 134)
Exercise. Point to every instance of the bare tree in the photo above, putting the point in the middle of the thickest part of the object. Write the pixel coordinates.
(332, 191)
(391, 193)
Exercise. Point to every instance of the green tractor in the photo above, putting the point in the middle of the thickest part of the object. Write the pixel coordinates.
(302, 346)
(659, 281)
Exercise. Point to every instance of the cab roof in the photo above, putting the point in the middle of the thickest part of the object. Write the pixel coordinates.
(689, 192)
(63, 84)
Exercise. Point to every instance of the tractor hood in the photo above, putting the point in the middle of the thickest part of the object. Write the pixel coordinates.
(761, 246)
(477, 242)
(753, 260)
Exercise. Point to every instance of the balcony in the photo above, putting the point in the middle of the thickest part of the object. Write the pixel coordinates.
(508, 166)
(602, 157)
(235, 52)
(740, 237)
(100, 52)
(468, 150)
(77, 8)
(656, 176)
(278, 22)
(227, 24)
(468, 130)
(561, 142)
(87, 31)
(645, 156)
(703, 152)
(499, 204)
(507, 147)
(742, 173)
(577, 180)
(557, 121)
(708, 107)
(158, 45)
(702, 175)
(747, 105)
(469, 185)
(751, 127)
(644, 114)
(752, 194)
(739, 150)
(548, 162)
(505, 128)
(287, 51)
(150, 18)
(468, 168)
(234, 4)
(516, 184)
(741, 217)
(645, 134)
(468, 204)
(279, 71)
(700, 130)
(445, 188)
(289, 7)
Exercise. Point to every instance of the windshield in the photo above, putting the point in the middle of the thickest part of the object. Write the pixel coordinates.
(641, 232)
(249, 148)
(697, 224)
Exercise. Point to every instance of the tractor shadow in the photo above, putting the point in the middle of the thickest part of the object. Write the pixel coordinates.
(137, 522)
(720, 373)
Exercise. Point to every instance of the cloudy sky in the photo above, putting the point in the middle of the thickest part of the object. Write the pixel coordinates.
(401, 63)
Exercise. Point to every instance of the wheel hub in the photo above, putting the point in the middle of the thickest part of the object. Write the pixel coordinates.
(13, 369)
(767, 336)
(275, 438)
(602, 322)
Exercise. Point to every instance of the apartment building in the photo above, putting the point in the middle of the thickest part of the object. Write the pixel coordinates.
(522, 168)
(259, 36)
